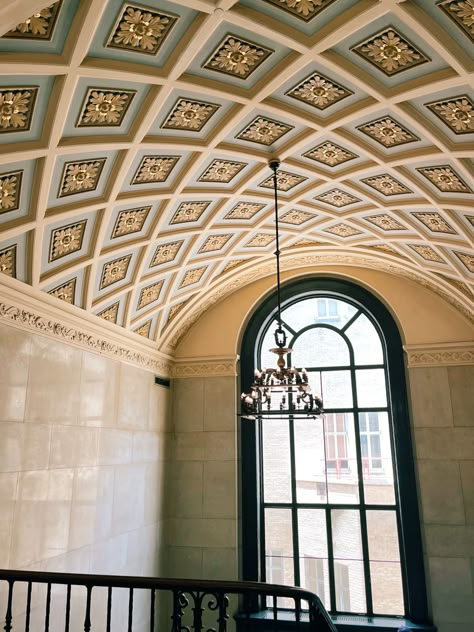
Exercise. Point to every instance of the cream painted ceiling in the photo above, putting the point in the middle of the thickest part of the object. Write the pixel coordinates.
(135, 139)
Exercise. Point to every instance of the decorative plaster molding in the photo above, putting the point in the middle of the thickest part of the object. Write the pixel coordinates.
(205, 367)
(449, 354)
(28, 314)
(306, 257)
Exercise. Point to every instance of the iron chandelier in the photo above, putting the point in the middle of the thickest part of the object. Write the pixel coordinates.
(283, 390)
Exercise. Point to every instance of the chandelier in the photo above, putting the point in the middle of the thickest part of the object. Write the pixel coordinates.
(282, 390)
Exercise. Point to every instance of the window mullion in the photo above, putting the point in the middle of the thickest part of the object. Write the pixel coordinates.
(332, 583)
(363, 517)
(263, 566)
(294, 508)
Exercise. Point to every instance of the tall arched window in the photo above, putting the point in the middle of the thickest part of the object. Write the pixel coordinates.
(330, 503)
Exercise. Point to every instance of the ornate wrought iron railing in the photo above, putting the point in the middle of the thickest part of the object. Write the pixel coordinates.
(53, 602)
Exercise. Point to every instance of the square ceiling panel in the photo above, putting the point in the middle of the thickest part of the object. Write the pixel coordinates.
(69, 289)
(387, 131)
(243, 211)
(13, 257)
(154, 170)
(105, 107)
(148, 297)
(165, 253)
(140, 33)
(443, 179)
(221, 172)
(387, 185)
(16, 189)
(113, 313)
(80, 178)
(44, 32)
(450, 112)
(308, 17)
(189, 116)
(24, 103)
(67, 241)
(319, 91)
(192, 278)
(263, 132)
(130, 222)
(236, 56)
(146, 329)
(390, 52)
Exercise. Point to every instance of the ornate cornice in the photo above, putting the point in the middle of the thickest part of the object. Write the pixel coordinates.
(31, 314)
(449, 354)
(205, 367)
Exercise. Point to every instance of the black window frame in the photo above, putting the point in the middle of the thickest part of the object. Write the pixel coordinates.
(411, 552)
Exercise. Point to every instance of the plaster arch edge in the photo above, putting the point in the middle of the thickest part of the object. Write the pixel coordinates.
(440, 318)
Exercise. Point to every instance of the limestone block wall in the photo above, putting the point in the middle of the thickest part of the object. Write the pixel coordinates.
(82, 459)
(202, 491)
(442, 401)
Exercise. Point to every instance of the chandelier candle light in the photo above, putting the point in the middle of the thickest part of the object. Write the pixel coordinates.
(283, 390)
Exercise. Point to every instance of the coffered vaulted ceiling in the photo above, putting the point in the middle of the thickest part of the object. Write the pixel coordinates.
(135, 139)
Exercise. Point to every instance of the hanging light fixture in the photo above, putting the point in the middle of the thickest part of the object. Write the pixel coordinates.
(282, 390)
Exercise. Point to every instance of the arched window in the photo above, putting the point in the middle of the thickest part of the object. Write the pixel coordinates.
(330, 503)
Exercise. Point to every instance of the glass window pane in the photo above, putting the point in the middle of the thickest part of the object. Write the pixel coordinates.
(346, 538)
(278, 532)
(318, 310)
(387, 590)
(382, 533)
(309, 461)
(348, 566)
(314, 576)
(375, 446)
(371, 389)
(336, 388)
(373, 422)
(366, 341)
(312, 533)
(320, 347)
(279, 569)
(377, 467)
(384, 555)
(341, 459)
(276, 460)
(350, 586)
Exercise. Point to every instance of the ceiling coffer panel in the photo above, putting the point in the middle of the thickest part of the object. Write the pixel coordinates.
(135, 140)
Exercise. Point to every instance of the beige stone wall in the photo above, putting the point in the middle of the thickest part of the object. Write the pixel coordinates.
(202, 500)
(82, 447)
(442, 400)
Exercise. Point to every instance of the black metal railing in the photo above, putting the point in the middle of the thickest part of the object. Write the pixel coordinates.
(50, 602)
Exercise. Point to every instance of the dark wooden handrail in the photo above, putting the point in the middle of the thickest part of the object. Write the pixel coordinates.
(188, 596)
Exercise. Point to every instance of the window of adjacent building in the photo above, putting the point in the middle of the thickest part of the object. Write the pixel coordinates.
(328, 499)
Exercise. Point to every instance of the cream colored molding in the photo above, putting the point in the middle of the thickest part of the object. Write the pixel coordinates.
(36, 314)
(316, 260)
(205, 367)
(448, 354)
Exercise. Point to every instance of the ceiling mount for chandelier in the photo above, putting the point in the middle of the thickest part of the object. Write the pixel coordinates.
(282, 390)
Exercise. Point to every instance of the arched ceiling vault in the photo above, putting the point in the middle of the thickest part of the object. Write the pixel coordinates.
(135, 139)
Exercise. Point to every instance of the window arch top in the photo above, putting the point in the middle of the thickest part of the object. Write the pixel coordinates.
(334, 479)
(326, 331)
